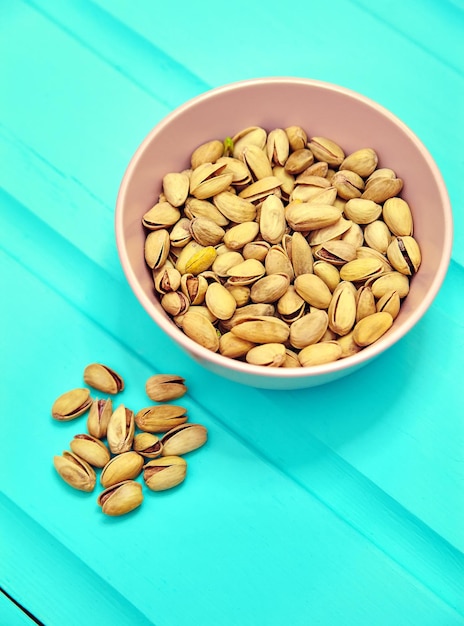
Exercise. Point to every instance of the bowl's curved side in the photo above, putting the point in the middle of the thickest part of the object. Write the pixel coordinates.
(353, 121)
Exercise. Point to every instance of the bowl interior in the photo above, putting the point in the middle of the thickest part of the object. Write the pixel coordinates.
(322, 110)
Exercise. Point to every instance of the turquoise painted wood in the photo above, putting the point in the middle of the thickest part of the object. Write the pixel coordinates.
(338, 505)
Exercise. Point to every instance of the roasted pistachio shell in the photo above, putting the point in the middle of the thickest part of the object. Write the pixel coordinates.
(398, 217)
(277, 146)
(257, 161)
(90, 449)
(164, 387)
(348, 184)
(328, 273)
(267, 355)
(377, 236)
(208, 152)
(204, 208)
(371, 328)
(269, 288)
(176, 188)
(207, 180)
(164, 473)
(365, 302)
(325, 149)
(161, 215)
(121, 427)
(302, 216)
(124, 466)
(320, 353)
(404, 255)
(246, 273)
(337, 252)
(71, 404)
(75, 471)
(166, 278)
(121, 498)
(205, 231)
(157, 245)
(381, 189)
(342, 309)
(250, 136)
(220, 302)
(236, 237)
(160, 418)
(361, 269)
(298, 161)
(234, 208)
(278, 262)
(362, 161)
(234, 347)
(183, 439)
(362, 210)
(175, 303)
(390, 303)
(99, 416)
(290, 306)
(148, 445)
(272, 222)
(201, 330)
(261, 329)
(308, 329)
(297, 137)
(391, 281)
(103, 378)
(313, 290)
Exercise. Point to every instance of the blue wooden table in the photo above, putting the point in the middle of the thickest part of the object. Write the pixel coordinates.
(337, 505)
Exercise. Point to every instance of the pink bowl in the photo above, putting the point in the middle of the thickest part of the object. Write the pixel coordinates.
(322, 109)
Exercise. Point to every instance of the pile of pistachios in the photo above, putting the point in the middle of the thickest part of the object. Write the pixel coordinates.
(132, 447)
(281, 250)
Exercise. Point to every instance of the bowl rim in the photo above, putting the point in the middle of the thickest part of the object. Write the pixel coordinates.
(219, 361)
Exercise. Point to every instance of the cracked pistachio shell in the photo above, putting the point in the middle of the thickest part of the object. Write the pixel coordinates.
(267, 355)
(121, 498)
(240, 293)
(176, 188)
(246, 272)
(320, 353)
(240, 173)
(391, 281)
(207, 180)
(166, 278)
(200, 310)
(234, 208)
(328, 273)
(308, 329)
(354, 235)
(75, 471)
(287, 181)
(325, 149)
(302, 216)
(179, 235)
(371, 328)
(380, 189)
(260, 189)
(164, 387)
(198, 328)
(183, 439)
(261, 329)
(364, 252)
(362, 210)
(342, 308)
(313, 290)
(125, 466)
(298, 161)
(256, 250)
(224, 262)
(208, 152)
(290, 305)
(348, 184)
(175, 303)
(297, 137)
(377, 236)
(277, 146)
(272, 223)
(160, 418)
(363, 162)
(157, 246)
(256, 161)
(334, 231)
(165, 473)
(71, 404)
(99, 416)
(103, 378)
(90, 449)
(120, 432)
(404, 254)
(246, 312)
(161, 215)
(234, 347)
(148, 445)
(220, 301)
(365, 302)
(204, 208)
(278, 262)
(348, 345)
(390, 303)
(269, 288)
(337, 252)
(361, 269)
(398, 217)
(205, 231)
(291, 359)
(250, 136)
(236, 237)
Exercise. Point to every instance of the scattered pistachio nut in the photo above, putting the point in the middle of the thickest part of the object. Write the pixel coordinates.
(121, 498)
(164, 473)
(103, 378)
(121, 429)
(183, 439)
(75, 471)
(124, 466)
(164, 387)
(71, 404)
(90, 449)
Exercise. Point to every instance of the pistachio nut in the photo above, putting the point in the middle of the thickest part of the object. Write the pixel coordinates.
(390, 303)
(207, 180)
(75, 471)
(269, 288)
(208, 152)
(239, 235)
(308, 329)
(298, 161)
(287, 181)
(261, 329)
(337, 252)
(250, 136)
(161, 215)
(157, 246)
(183, 439)
(99, 416)
(166, 278)
(194, 260)
(334, 231)
(325, 149)
(320, 353)
(240, 173)
(125, 466)
(342, 308)
(291, 359)
(381, 172)
(176, 188)
(302, 216)
(179, 235)
(398, 217)
(240, 293)
(267, 355)
(205, 231)
(313, 290)
(277, 146)
(164, 473)
(362, 210)
(348, 184)
(90, 449)
(377, 236)
(404, 254)
(120, 432)
(164, 387)
(365, 252)
(148, 445)
(121, 498)
(160, 418)
(256, 161)
(103, 378)
(204, 208)
(232, 346)
(348, 345)
(175, 303)
(71, 404)
(224, 262)
(290, 306)
(380, 189)
(256, 250)
(277, 262)
(200, 310)
(354, 235)
(328, 273)
(319, 168)
(248, 311)
(194, 288)
(371, 328)
(301, 255)
(360, 270)
(234, 208)
(362, 161)
(391, 281)
(272, 222)
(297, 137)
(198, 328)
(220, 301)
(365, 302)
(246, 272)
(258, 191)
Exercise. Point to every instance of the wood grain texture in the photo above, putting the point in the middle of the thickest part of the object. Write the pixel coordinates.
(336, 505)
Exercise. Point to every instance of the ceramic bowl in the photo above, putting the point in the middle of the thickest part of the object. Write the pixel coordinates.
(322, 109)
